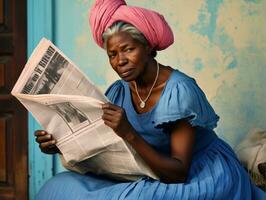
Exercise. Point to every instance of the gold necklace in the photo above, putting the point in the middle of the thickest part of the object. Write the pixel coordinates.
(142, 103)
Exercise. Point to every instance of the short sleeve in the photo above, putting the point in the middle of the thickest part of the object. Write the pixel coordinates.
(185, 100)
(115, 93)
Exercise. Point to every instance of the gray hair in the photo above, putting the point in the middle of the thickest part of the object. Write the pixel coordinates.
(120, 26)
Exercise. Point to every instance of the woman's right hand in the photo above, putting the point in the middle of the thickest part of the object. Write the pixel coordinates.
(46, 142)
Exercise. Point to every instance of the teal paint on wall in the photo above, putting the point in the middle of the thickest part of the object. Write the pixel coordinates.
(198, 65)
(207, 26)
(207, 19)
(39, 25)
(242, 105)
(233, 64)
(213, 8)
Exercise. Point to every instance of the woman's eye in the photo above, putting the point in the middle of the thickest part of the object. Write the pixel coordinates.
(129, 49)
(111, 56)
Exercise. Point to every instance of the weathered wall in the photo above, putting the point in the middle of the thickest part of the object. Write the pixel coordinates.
(221, 43)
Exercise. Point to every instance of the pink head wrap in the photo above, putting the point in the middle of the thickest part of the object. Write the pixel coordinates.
(153, 25)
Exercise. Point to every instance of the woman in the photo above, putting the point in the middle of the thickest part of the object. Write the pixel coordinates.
(161, 113)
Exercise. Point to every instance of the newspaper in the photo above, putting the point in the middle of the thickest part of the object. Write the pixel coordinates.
(68, 105)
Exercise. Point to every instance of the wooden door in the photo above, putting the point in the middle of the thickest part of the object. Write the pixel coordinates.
(13, 117)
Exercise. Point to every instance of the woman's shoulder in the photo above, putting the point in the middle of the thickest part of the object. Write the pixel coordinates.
(116, 91)
(183, 86)
(115, 85)
(183, 98)
(178, 80)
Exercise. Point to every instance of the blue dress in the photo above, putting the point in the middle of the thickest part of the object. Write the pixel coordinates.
(215, 172)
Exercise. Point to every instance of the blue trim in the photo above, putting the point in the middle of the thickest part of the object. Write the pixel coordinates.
(40, 24)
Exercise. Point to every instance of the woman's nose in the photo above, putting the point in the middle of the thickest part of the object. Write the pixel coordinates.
(122, 60)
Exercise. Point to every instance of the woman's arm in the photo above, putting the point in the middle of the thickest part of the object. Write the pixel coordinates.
(169, 169)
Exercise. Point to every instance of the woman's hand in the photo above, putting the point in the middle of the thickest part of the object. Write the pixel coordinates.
(46, 142)
(115, 117)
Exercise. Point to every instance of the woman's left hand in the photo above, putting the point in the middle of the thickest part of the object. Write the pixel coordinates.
(115, 117)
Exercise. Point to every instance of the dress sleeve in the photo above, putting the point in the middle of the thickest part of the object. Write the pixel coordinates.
(115, 93)
(185, 100)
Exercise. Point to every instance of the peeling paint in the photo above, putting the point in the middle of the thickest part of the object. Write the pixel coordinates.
(233, 64)
(207, 19)
(198, 65)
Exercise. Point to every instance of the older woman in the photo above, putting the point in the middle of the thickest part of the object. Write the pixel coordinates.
(161, 113)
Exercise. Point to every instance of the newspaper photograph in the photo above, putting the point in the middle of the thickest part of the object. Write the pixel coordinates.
(68, 106)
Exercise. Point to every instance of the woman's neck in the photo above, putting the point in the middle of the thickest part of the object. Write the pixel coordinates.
(146, 79)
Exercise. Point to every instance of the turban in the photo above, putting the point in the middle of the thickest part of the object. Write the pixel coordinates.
(150, 23)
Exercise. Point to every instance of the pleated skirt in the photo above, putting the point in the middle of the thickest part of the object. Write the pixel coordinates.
(215, 173)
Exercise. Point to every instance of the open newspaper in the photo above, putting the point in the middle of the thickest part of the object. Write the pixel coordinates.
(68, 105)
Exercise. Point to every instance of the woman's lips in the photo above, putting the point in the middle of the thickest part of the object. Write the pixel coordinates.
(126, 73)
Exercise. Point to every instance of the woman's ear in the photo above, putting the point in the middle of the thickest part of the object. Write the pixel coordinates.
(149, 50)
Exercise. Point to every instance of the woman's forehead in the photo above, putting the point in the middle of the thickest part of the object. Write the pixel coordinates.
(120, 39)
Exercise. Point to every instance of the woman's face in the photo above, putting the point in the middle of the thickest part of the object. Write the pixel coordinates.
(127, 56)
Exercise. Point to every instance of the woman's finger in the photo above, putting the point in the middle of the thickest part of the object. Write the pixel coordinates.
(109, 112)
(108, 123)
(110, 106)
(112, 116)
(44, 138)
(48, 144)
(40, 133)
(107, 117)
(52, 146)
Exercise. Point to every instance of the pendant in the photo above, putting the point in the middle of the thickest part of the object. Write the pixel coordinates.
(142, 104)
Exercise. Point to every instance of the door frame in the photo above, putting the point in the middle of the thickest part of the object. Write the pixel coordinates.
(40, 21)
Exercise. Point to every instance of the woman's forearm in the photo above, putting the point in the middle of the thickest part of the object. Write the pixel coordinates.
(168, 169)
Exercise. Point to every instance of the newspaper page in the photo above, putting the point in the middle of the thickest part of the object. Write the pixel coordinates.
(68, 105)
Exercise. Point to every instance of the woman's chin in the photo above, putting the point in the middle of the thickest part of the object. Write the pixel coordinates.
(128, 78)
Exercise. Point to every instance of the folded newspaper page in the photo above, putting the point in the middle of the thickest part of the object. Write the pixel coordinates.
(68, 105)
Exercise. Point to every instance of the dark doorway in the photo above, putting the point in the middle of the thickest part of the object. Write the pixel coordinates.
(13, 117)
